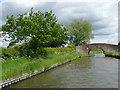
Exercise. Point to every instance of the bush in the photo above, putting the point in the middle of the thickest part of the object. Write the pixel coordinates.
(57, 50)
(33, 49)
(10, 52)
(71, 46)
(29, 50)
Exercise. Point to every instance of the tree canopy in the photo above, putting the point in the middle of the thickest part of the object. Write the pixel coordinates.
(80, 31)
(39, 26)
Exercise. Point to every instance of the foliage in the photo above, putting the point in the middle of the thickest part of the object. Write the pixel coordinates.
(42, 27)
(93, 51)
(112, 54)
(29, 50)
(80, 32)
(119, 43)
(10, 53)
(21, 65)
(57, 50)
(71, 46)
(0, 28)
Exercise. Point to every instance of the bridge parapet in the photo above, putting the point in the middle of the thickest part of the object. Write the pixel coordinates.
(105, 47)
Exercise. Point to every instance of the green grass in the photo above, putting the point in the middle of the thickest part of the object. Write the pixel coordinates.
(113, 54)
(16, 67)
(93, 51)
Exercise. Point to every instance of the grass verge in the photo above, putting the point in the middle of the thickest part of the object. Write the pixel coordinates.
(112, 54)
(15, 67)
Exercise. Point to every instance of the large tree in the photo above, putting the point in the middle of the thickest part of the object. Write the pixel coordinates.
(39, 26)
(80, 31)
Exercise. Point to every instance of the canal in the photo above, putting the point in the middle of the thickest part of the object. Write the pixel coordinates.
(87, 72)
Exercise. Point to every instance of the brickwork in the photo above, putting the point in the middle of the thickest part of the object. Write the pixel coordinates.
(102, 46)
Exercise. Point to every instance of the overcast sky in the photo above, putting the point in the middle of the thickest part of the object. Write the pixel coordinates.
(102, 14)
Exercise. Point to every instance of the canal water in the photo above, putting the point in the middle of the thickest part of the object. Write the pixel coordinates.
(87, 72)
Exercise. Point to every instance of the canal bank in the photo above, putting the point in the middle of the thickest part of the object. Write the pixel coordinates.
(86, 72)
(36, 71)
(113, 55)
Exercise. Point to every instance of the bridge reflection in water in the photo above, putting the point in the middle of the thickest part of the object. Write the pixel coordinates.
(99, 55)
(86, 72)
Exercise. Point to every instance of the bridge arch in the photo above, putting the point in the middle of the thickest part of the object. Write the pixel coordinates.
(95, 48)
(104, 47)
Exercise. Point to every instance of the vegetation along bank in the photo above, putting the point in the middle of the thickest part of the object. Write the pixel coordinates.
(41, 37)
(25, 65)
(113, 54)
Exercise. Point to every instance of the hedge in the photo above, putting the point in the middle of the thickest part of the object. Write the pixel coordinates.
(22, 52)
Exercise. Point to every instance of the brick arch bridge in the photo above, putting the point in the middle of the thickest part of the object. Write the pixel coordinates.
(104, 47)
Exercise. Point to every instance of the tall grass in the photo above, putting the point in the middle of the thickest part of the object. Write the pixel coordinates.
(17, 66)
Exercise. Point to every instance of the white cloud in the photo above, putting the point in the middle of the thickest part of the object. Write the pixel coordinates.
(103, 14)
(26, 3)
(65, 0)
(110, 39)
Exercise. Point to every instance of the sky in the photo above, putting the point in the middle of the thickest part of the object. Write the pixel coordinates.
(103, 14)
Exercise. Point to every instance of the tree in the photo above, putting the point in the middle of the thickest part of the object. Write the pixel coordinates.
(80, 32)
(0, 28)
(39, 26)
(119, 43)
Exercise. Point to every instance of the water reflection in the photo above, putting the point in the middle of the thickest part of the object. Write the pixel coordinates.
(99, 55)
(86, 72)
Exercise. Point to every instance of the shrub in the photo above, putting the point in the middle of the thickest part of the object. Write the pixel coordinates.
(111, 54)
(57, 50)
(29, 50)
(71, 46)
(10, 52)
